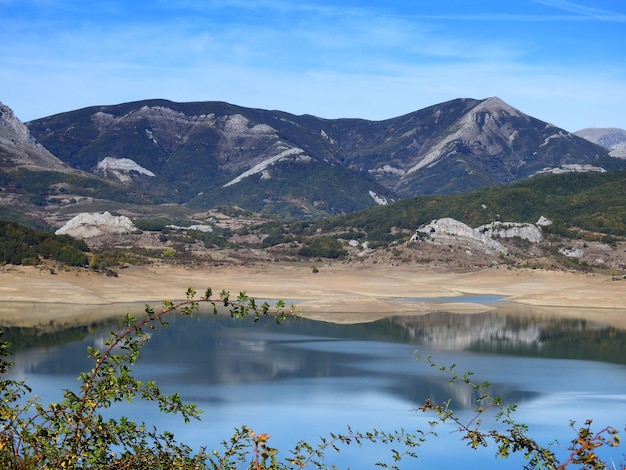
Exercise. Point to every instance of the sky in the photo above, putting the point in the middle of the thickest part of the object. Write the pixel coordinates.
(561, 61)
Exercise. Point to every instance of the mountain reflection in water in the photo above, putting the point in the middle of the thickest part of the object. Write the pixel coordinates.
(305, 378)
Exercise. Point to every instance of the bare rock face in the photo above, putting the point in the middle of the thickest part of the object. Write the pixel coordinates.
(12, 129)
(88, 225)
(543, 222)
(449, 230)
(571, 252)
(529, 232)
(122, 168)
(17, 142)
(573, 168)
(478, 125)
(453, 232)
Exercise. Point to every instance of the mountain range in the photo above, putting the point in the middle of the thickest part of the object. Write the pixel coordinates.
(209, 154)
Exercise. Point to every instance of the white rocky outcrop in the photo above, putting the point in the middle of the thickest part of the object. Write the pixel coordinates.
(449, 230)
(121, 168)
(292, 153)
(88, 225)
(363, 247)
(327, 137)
(199, 228)
(571, 252)
(388, 170)
(543, 222)
(572, 168)
(380, 200)
(237, 125)
(498, 229)
(618, 151)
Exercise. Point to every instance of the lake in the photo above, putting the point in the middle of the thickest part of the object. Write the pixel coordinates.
(303, 379)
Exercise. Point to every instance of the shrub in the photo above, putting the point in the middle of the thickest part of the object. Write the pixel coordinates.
(73, 433)
(323, 247)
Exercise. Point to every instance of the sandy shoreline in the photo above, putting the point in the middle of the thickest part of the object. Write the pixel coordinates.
(338, 293)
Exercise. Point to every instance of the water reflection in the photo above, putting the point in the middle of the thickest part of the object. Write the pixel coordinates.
(221, 350)
(504, 331)
(305, 378)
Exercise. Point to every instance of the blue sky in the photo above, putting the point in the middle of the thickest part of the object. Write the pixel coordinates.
(562, 61)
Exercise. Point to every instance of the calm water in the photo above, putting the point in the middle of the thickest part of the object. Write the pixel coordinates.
(303, 379)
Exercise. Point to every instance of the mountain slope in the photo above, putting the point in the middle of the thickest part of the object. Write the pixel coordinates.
(31, 176)
(212, 153)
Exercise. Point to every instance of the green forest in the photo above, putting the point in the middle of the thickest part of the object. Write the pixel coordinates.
(23, 245)
(594, 202)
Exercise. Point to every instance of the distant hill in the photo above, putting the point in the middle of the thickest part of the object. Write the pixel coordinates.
(612, 139)
(270, 162)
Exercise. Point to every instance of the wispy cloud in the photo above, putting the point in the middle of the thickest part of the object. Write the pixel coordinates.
(507, 17)
(577, 12)
(587, 12)
(372, 59)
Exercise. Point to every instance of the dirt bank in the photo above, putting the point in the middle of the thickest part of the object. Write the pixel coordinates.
(338, 293)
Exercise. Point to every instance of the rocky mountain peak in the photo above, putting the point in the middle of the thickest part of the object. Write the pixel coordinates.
(486, 127)
(12, 129)
(17, 142)
(495, 106)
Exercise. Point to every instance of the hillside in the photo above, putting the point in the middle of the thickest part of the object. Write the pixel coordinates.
(590, 201)
(214, 181)
(571, 221)
(574, 220)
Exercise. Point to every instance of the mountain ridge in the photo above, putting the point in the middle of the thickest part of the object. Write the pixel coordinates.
(213, 153)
